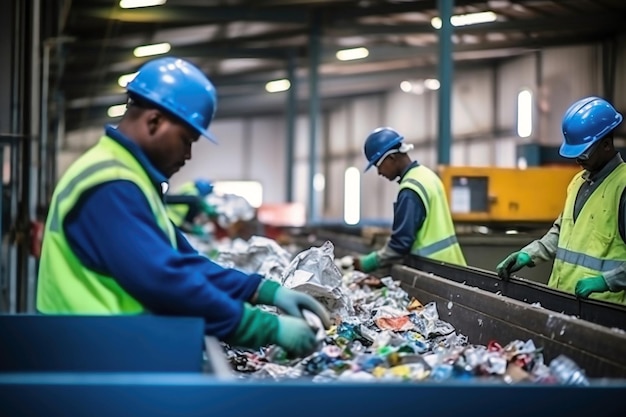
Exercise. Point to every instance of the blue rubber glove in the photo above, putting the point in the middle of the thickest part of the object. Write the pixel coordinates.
(290, 301)
(586, 286)
(259, 328)
(367, 263)
(513, 263)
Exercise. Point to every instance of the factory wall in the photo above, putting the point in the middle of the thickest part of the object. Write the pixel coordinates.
(484, 117)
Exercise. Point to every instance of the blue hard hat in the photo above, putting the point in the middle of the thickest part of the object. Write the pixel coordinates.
(180, 88)
(378, 142)
(585, 123)
(204, 187)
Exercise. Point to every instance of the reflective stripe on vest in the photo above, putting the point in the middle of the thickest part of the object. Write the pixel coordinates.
(71, 186)
(436, 247)
(591, 245)
(436, 238)
(65, 285)
(587, 261)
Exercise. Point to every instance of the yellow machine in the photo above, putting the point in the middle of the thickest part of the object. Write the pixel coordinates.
(488, 195)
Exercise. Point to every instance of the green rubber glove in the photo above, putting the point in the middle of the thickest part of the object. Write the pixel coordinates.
(197, 230)
(586, 286)
(209, 210)
(258, 328)
(290, 301)
(367, 263)
(513, 263)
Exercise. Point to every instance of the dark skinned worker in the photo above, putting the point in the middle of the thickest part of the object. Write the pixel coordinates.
(110, 248)
(588, 240)
(422, 223)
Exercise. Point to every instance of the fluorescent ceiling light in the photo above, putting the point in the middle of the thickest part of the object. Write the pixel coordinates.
(155, 49)
(524, 114)
(352, 196)
(415, 87)
(432, 84)
(466, 19)
(277, 86)
(133, 4)
(319, 182)
(125, 79)
(353, 53)
(116, 111)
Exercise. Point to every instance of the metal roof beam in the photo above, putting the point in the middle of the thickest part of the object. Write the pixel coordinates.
(195, 14)
(586, 22)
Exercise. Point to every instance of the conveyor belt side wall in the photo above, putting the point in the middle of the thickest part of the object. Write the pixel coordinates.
(483, 316)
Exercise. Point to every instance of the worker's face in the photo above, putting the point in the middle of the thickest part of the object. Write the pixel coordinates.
(595, 157)
(387, 168)
(170, 143)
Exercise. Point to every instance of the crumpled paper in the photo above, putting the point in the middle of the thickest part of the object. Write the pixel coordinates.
(314, 272)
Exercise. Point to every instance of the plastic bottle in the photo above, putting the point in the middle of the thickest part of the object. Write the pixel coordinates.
(567, 372)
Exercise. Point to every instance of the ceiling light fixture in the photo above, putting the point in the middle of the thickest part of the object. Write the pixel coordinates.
(133, 4)
(352, 54)
(116, 111)
(415, 87)
(154, 49)
(125, 79)
(432, 84)
(466, 19)
(277, 86)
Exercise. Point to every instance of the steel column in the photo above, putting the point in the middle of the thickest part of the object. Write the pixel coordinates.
(292, 111)
(314, 113)
(446, 79)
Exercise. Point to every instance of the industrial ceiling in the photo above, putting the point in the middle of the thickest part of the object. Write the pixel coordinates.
(243, 44)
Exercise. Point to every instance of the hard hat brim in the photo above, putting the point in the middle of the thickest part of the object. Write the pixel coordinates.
(206, 134)
(574, 151)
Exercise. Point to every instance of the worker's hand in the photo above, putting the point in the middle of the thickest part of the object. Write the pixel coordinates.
(513, 263)
(367, 263)
(258, 328)
(586, 286)
(296, 336)
(290, 301)
(293, 302)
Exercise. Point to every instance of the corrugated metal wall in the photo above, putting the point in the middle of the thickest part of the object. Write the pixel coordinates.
(254, 148)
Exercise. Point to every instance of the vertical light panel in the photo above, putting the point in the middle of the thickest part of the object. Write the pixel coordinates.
(524, 114)
(352, 196)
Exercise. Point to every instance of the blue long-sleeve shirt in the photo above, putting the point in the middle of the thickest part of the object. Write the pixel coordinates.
(409, 214)
(112, 230)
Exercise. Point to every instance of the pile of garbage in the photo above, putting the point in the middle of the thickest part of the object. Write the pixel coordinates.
(380, 334)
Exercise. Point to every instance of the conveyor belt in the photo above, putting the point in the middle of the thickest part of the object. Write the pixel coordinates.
(599, 312)
(606, 314)
(483, 317)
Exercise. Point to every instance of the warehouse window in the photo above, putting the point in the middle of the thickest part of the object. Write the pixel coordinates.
(252, 191)
(524, 114)
(352, 196)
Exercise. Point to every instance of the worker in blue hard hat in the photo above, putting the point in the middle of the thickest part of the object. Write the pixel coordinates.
(422, 223)
(187, 203)
(588, 240)
(110, 248)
